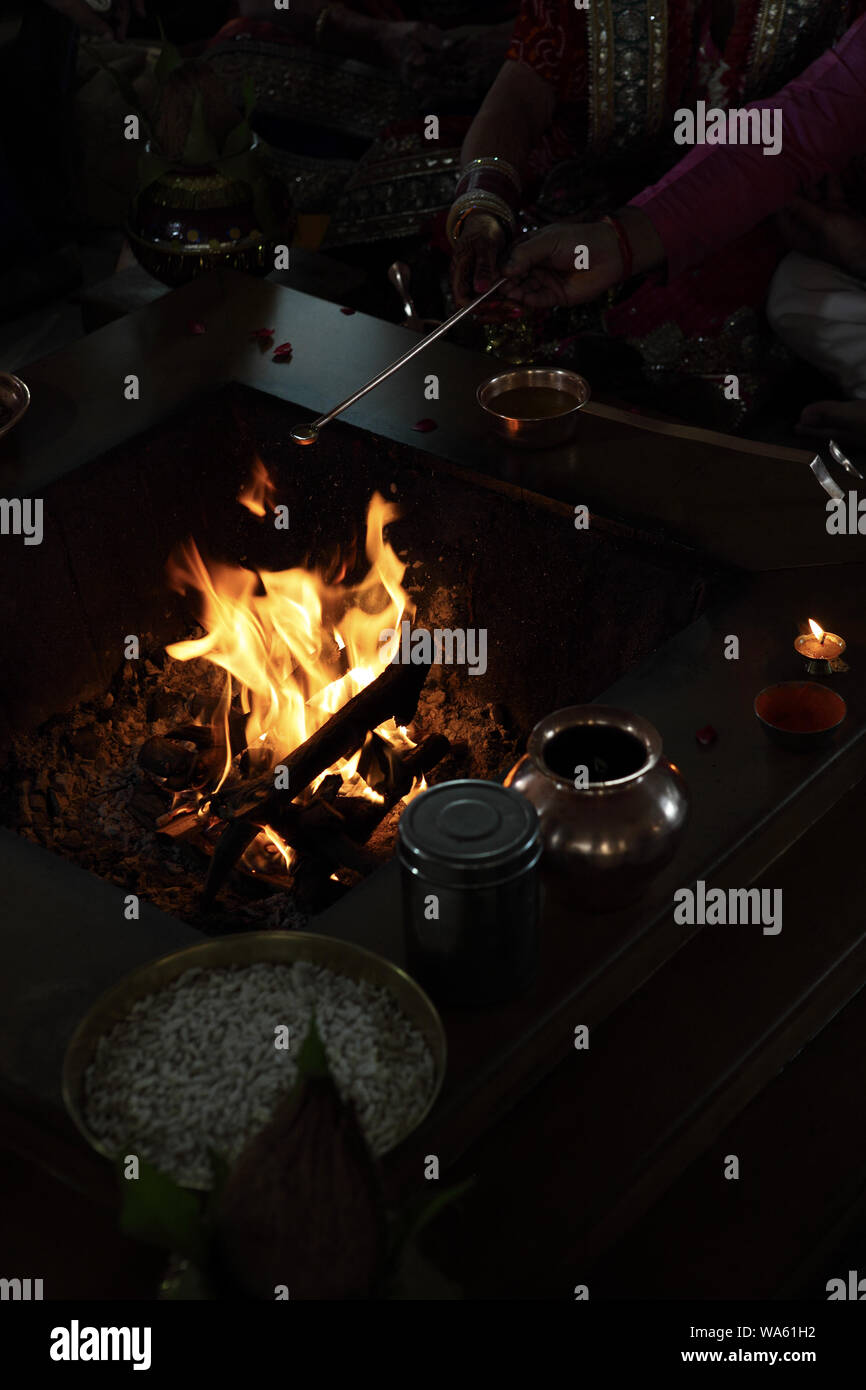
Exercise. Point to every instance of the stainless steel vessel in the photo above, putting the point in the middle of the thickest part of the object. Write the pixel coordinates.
(469, 853)
(612, 808)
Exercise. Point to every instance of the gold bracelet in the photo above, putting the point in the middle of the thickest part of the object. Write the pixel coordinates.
(321, 21)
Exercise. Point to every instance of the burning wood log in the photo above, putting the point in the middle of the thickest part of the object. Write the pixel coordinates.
(362, 816)
(317, 829)
(177, 767)
(393, 694)
(334, 836)
(235, 839)
(320, 829)
(173, 764)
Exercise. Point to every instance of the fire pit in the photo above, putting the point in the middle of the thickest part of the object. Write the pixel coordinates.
(287, 651)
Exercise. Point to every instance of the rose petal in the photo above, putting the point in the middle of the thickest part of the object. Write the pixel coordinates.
(344, 310)
(282, 353)
(262, 335)
(196, 328)
(425, 426)
(706, 736)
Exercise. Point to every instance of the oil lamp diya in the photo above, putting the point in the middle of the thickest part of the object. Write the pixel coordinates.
(822, 650)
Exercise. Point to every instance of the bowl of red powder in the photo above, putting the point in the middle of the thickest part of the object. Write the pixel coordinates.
(800, 714)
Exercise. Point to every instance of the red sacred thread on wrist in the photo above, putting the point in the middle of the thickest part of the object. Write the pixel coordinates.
(625, 250)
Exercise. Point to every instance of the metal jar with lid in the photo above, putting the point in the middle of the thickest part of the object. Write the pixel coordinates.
(469, 853)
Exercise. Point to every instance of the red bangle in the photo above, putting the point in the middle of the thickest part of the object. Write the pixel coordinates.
(625, 250)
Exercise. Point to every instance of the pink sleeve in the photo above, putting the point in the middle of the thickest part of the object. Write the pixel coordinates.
(718, 192)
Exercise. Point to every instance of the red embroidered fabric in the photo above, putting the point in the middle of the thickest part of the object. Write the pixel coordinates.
(550, 36)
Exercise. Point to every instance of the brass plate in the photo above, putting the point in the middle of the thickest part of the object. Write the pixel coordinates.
(248, 948)
(14, 397)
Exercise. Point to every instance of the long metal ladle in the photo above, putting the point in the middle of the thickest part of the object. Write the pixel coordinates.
(309, 433)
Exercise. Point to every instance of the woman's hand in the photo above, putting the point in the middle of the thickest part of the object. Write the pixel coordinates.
(574, 262)
(476, 257)
(113, 24)
(543, 270)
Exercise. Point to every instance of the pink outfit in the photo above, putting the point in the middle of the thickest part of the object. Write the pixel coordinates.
(720, 192)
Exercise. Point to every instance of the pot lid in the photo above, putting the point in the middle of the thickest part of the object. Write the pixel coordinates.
(469, 832)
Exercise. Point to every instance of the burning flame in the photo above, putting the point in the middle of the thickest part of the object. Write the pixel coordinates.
(817, 630)
(294, 648)
(273, 838)
(258, 495)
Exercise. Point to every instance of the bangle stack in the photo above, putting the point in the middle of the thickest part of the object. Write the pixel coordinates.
(490, 185)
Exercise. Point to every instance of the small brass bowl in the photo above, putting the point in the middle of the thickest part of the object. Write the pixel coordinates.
(247, 948)
(800, 715)
(537, 432)
(14, 400)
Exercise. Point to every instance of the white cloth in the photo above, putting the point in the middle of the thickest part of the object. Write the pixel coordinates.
(820, 312)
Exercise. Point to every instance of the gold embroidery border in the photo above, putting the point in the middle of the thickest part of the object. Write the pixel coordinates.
(765, 42)
(657, 65)
(601, 55)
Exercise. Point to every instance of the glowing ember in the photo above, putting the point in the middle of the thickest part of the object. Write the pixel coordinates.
(295, 649)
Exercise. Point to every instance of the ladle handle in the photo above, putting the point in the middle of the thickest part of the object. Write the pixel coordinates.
(406, 357)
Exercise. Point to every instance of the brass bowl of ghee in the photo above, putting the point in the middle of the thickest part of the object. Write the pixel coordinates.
(534, 407)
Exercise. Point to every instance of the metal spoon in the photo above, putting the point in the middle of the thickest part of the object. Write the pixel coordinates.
(399, 275)
(843, 459)
(309, 433)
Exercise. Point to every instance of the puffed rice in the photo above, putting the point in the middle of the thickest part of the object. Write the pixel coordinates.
(194, 1069)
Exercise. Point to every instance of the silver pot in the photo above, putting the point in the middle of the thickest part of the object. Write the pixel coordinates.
(612, 807)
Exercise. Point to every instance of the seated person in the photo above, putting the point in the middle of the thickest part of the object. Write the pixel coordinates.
(718, 194)
(352, 143)
(574, 146)
(817, 305)
(421, 41)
